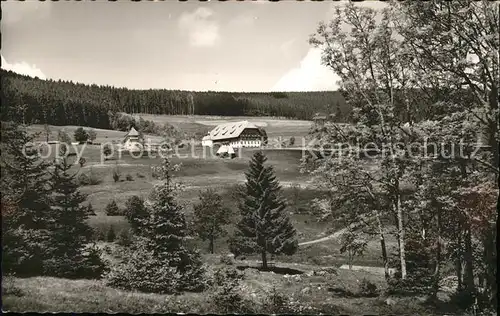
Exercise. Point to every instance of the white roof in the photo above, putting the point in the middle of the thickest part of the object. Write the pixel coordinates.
(132, 133)
(230, 130)
(206, 137)
(225, 149)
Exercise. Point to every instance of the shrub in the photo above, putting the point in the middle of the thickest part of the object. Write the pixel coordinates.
(227, 260)
(82, 162)
(111, 236)
(83, 179)
(276, 303)
(116, 175)
(124, 238)
(90, 210)
(140, 175)
(227, 297)
(88, 265)
(145, 272)
(106, 151)
(112, 209)
(129, 177)
(367, 288)
(88, 179)
(9, 287)
(81, 135)
(99, 234)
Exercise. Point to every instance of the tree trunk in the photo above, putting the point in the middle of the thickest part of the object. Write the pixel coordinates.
(468, 256)
(264, 260)
(383, 248)
(458, 264)
(401, 237)
(438, 257)
(211, 245)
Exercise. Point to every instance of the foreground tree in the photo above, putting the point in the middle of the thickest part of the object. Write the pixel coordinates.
(26, 212)
(426, 73)
(72, 254)
(210, 217)
(264, 226)
(160, 261)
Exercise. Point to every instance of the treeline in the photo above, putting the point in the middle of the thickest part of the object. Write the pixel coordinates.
(32, 100)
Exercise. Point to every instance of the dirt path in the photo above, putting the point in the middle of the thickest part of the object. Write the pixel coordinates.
(335, 235)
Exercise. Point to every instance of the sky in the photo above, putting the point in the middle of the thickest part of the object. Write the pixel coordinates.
(200, 46)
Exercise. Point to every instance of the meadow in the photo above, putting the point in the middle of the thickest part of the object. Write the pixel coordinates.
(200, 172)
(201, 169)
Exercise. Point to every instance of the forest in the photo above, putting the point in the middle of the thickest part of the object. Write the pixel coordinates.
(56, 102)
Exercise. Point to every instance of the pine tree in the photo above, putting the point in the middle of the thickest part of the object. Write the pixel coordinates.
(26, 214)
(210, 217)
(160, 261)
(111, 236)
(72, 235)
(112, 209)
(264, 226)
(135, 210)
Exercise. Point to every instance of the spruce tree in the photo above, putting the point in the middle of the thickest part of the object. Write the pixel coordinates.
(134, 211)
(160, 261)
(72, 235)
(112, 209)
(264, 226)
(26, 213)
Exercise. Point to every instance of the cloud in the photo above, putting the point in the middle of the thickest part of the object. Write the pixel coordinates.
(311, 75)
(23, 68)
(245, 19)
(200, 28)
(15, 11)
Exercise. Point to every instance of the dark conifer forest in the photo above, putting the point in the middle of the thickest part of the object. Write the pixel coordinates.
(32, 100)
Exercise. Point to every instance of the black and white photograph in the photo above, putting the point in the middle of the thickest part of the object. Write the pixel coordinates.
(246, 157)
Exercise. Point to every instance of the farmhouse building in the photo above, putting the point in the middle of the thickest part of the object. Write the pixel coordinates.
(133, 140)
(236, 135)
(319, 119)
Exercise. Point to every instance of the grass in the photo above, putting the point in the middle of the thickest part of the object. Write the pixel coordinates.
(306, 293)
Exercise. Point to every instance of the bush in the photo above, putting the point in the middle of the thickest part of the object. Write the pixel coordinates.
(144, 271)
(227, 297)
(90, 210)
(9, 287)
(86, 266)
(367, 288)
(116, 175)
(99, 234)
(227, 260)
(112, 209)
(140, 175)
(82, 162)
(111, 236)
(88, 179)
(276, 303)
(83, 179)
(106, 151)
(129, 177)
(124, 238)
(81, 135)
